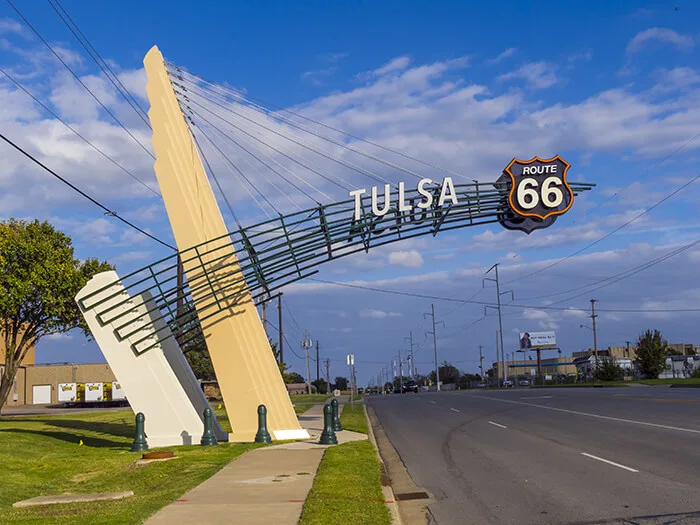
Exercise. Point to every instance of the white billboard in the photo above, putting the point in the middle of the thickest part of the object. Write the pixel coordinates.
(537, 340)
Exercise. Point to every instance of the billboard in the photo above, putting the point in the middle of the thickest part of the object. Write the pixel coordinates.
(537, 340)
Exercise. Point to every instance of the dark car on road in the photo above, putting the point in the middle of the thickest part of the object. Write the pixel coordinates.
(409, 386)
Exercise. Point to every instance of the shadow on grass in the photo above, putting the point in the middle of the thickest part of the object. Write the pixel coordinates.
(124, 429)
(88, 441)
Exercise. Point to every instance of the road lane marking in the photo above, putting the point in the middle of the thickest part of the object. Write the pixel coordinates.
(433, 402)
(599, 416)
(454, 410)
(537, 397)
(498, 425)
(608, 462)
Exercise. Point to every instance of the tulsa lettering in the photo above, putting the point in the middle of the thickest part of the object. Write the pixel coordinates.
(447, 193)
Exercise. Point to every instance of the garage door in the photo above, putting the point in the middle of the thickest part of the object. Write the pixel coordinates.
(41, 394)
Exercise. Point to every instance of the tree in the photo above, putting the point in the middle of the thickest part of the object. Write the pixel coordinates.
(608, 370)
(39, 279)
(188, 333)
(341, 383)
(651, 353)
(293, 377)
(321, 386)
(448, 374)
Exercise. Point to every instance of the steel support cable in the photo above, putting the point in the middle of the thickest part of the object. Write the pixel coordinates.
(334, 158)
(216, 180)
(141, 115)
(231, 139)
(80, 81)
(237, 172)
(278, 117)
(609, 234)
(366, 141)
(98, 150)
(209, 123)
(108, 212)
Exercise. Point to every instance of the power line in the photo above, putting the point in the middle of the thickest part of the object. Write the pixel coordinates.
(115, 81)
(88, 197)
(78, 79)
(98, 150)
(609, 234)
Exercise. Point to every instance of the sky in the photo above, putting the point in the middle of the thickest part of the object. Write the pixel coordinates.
(613, 89)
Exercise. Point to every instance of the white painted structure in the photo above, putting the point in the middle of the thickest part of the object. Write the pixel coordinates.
(159, 383)
(67, 392)
(41, 394)
(94, 391)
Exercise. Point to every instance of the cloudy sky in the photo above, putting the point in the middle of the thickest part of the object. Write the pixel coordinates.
(614, 90)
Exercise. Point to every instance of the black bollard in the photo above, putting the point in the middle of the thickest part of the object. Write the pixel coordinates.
(139, 443)
(263, 436)
(208, 438)
(328, 434)
(337, 426)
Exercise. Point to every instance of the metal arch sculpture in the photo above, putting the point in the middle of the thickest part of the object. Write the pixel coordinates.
(227, 271)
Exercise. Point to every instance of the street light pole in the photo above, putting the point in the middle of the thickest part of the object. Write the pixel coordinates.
(437, 368)
(595, 332)
(500, 320)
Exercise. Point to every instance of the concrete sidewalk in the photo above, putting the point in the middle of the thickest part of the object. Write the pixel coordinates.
(263, 486)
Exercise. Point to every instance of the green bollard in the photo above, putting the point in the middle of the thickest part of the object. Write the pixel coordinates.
(328, 434)
(139, 443)
(208, 438)
(263, 436)
(337, 426)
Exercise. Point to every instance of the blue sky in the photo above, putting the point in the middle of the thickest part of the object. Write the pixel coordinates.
(614, 89)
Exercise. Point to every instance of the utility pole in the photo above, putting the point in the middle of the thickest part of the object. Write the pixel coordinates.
(481, 362)
(279, 325)
(437, 368)
(412, 366)
(306, 344)
(400, 374)
(500, 320)
(328, 375)
(318, 363)
(595, 333)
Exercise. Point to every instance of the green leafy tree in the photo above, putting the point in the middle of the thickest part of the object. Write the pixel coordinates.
(448, 374)
(293, 377)
(651, 353)
(39, 279)
(341, 383)
(321, 386)
(608, 370)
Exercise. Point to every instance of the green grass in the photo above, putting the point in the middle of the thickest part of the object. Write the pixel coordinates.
(309, 398)
(40, 455)
(220, 411)
(300, 409)
(678, 381)
(347, 488)
(353, 418)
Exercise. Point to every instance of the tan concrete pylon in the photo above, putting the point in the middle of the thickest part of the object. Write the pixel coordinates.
(240, 351)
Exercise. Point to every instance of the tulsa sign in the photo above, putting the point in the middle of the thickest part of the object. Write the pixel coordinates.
(533, 194)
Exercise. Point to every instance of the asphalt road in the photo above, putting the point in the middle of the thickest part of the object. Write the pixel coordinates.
(551, 456)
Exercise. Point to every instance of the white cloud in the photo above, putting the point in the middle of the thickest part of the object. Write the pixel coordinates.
(505, 54)
(409, 259)
(378, 314)
(65, 336)
(10, 26)
(393, 66)
(659, 34)
(679, 78)
(537, 75)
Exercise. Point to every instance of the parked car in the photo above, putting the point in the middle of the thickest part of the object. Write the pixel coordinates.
(481, 385)
(524, 382)
(507, 383)
(410, 386)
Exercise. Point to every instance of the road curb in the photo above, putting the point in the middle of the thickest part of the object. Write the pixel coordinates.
(393, 505)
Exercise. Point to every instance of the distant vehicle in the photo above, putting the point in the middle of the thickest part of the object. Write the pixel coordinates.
(481, 385)
(409, 386)
(507, 383)
(524, 382)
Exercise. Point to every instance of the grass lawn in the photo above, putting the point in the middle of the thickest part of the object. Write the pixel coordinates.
(41, 455)
(309, 398)
(347, 488)
(353, 418)
(220, 411)
(300, 409)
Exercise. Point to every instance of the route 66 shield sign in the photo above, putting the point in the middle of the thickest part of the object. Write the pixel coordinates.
(538, 188)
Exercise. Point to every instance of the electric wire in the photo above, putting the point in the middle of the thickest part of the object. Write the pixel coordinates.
(98, 150)
(80, 81)
(102, 68)
(88, 197)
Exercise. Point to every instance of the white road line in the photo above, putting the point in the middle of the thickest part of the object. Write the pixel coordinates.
(599, 416)
(537, 397)
(608, 462)
(433, 402)
(497, 425)
(454, 410)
